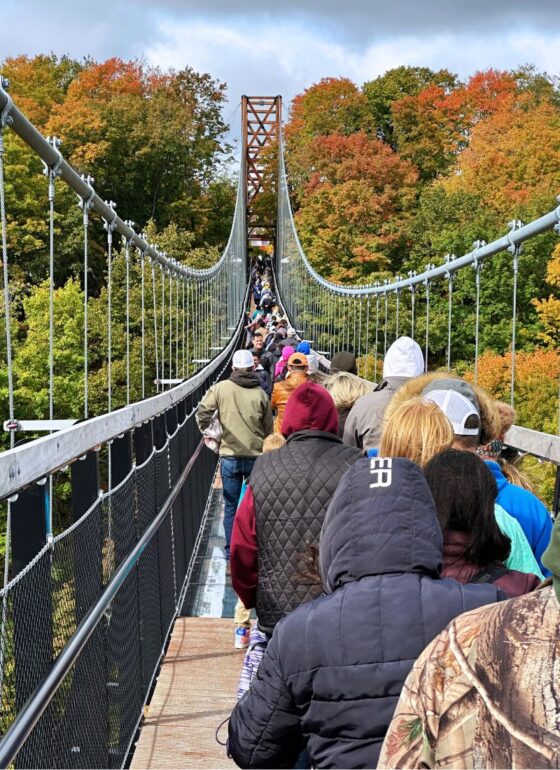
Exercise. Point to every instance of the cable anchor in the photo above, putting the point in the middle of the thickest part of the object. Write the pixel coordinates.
(5, 118)
(515, 248)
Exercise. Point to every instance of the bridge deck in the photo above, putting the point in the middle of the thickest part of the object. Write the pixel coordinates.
(197, 683)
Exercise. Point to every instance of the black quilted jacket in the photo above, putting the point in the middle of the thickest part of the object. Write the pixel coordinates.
(292, 488)
(334, 668)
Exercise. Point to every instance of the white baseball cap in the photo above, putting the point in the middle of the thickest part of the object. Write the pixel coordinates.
(242, 359)
(457, 408)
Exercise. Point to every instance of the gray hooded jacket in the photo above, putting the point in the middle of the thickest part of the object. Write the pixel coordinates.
(364, 424)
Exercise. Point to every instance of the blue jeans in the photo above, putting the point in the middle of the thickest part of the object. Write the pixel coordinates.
(233, 470)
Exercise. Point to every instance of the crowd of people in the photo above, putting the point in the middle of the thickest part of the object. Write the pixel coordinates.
(404, 575)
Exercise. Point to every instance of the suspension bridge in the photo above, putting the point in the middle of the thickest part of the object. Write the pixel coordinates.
(115, 646)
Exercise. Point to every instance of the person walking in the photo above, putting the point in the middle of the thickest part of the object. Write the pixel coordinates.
(243, 409)
(297, 375)
(284, 506)
(484, 692)
(403, 361)
(474, 548)
(334, 668)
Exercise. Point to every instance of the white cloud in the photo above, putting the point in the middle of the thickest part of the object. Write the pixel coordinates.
(285, 57)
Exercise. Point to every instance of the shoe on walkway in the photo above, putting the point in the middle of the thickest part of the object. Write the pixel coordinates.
(242, 637)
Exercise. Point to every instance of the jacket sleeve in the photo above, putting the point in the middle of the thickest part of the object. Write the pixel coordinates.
(206, 409)
(350, 435)
(543, 538)
(243, 555)
(264, 728)
(268, 421)
(274, 401)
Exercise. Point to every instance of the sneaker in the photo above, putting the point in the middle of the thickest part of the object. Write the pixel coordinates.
(241, 638)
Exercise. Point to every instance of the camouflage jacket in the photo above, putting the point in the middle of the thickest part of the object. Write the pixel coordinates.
(485, 693)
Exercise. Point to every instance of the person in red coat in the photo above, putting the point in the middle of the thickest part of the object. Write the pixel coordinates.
(474, 548)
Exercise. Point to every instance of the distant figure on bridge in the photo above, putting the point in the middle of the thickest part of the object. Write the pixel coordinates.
(297, 375)
(243, 409)
(474, 548)
(403, 361)
(263, 374)
(344, 361)
(281, 366)
(334, 668)
(495, 670)
(258, 348)
(291, 338)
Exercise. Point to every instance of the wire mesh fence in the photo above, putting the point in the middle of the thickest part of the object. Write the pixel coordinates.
(91, 719)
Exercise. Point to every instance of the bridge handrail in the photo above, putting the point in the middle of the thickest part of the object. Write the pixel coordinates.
(31, 462)
(516, 236)
(53, 158)
(31, 712)
(545, 446)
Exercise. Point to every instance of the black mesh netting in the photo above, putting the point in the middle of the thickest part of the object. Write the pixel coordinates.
(92, 718)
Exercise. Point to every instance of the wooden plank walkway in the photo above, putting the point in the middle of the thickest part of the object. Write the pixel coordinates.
(194, 694)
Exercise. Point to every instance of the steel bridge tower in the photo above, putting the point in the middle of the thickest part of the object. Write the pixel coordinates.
(261, 118)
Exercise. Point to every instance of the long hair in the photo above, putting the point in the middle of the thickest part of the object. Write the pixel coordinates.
(464, 491)
(417, 430)
(346, 389)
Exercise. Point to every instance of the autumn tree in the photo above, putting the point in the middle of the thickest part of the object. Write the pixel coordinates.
(394, 85)
(432, 127)
(332, 106)
(151, 139)
(357, 201)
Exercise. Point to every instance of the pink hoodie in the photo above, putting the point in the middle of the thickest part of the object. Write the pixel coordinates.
(281, 365)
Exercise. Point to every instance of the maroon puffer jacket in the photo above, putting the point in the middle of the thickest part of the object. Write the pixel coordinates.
(455, 565)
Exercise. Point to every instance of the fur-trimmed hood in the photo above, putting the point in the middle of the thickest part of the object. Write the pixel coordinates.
(489, 415)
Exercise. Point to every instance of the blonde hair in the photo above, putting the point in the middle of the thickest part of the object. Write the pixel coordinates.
(274, 441)
(489, 416)
(346, 388)
(516, 476)
(507, 416)
(417, 430)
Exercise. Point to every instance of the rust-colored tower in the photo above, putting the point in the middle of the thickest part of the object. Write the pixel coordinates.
(262, 123)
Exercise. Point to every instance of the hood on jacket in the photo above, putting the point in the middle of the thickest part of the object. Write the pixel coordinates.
(287, 351)
(304, 347)
(310, 407)
(344, 361)
(381, 520)
(403, 359)
(497, 472)
(245, 379)
(489, 415)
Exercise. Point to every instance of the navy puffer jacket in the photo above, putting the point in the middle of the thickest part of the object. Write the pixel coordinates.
(334, 668)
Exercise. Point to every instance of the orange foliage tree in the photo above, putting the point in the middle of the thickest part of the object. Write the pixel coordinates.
(357, 200)
(537, 374)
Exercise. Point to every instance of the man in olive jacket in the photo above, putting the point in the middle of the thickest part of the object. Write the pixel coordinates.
(243, 410)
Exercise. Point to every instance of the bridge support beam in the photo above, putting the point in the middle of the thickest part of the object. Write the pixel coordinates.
(261, 118)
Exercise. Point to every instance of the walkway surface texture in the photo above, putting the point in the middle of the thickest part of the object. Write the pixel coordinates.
(196, 687)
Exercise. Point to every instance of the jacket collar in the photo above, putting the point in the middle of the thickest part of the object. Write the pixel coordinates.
(301, 435)
(392, 382)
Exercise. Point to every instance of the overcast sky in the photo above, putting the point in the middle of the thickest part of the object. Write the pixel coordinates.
(281, 47)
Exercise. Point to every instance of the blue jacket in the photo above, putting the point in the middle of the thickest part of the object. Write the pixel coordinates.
(333, 671)
(524, 506)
